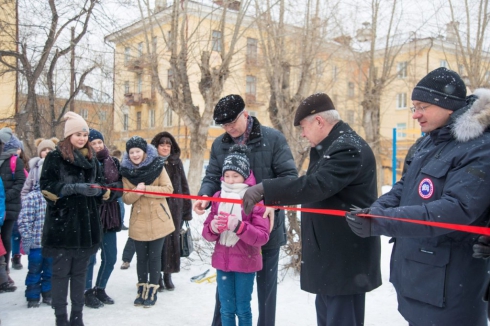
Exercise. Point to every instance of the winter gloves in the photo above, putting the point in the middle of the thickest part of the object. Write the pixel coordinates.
(482, 248)
(84, 189)
(252, 196)
(359, 225)
(224, 222)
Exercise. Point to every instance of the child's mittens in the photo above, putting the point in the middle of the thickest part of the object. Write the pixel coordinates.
(234, 224)
(218, 224)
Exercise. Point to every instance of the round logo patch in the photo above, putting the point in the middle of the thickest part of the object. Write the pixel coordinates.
(426, 188)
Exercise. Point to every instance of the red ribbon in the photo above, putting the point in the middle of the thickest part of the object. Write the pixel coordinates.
(451, 226)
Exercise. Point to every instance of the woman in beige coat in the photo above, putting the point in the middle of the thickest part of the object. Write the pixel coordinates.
(142, 169)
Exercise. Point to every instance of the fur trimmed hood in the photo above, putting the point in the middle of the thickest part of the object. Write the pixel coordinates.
(474, 119)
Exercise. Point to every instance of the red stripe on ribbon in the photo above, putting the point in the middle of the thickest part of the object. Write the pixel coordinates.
(451, 226)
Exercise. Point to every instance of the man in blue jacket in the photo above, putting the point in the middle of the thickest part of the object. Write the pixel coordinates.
(437, 280)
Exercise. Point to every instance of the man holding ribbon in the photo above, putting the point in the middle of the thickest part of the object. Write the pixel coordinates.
(437, 280)
(337, 266)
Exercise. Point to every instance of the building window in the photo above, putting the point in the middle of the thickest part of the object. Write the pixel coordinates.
(84, 113)
(443, 63)
(167, 115)
(401, 129)
(127, 55)
(251, 85)
(138, 120)
(170, 79)
(487, 75)
(169, 40)
(217, 39)
(103, 115)
(335, 73)
(350, 89)
(154, 43)
(125, 121)
(140, 49)
(319, 67)
(349, 117)
(461, 69)
(252, 113)
(126, 87)
(251, 50)
(151, 118)
(401, 100)
(402, 69)
(139, 83)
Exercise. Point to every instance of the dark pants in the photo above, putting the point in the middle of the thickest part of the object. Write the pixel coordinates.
(7, 228)
(129, 250)
(266, 290)
(340, 310)
(108, 255)
(15, 240)
(149, 260)
(69, 266)
(38, 279)
(121, 209)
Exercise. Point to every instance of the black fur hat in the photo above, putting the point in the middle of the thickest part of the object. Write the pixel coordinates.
(136, 141)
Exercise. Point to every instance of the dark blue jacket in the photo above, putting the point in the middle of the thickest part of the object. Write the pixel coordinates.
(269, 156)
(437, 280)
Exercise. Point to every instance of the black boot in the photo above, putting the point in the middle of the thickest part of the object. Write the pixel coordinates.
(76, 318)
(47, 297)
(62, 320)
(33, 303)
(141, 295)
(91, 300)
(151, 295)
(7, 287)
(16, 264)
(103, 297)
(161, 287)
(167, 279)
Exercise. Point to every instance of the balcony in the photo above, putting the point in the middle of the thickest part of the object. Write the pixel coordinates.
(137, 99)
(137, 64)
(254, 61)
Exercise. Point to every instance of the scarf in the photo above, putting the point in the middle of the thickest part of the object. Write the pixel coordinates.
(242, 140)
(232, 191)
(146, 172)
(110, 216)
(111, 174)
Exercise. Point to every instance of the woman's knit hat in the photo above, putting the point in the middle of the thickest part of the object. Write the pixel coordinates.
(42, 144)
(441, 87)
(95, 134)
(237, 161)
(136, 141)
(74, 123)
(13, 144)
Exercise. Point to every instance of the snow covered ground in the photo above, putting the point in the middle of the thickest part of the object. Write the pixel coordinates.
(192, 303)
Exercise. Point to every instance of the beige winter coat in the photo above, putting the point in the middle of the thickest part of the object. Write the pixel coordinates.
(150, 215)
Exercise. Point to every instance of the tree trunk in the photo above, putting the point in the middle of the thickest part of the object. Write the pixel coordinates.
(197, 147)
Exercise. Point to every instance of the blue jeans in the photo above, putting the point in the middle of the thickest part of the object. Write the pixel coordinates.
(108, 257)
(15, 240)
(235, 293)
(121, 208)
(40, 270)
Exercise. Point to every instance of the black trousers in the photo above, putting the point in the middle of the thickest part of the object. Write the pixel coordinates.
(69, 268)
(129, 250)
(266, 290)
(340, 310)
(7, 228)
(149, 260)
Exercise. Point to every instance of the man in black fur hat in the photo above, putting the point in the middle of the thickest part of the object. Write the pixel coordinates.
(270, 157)
(337, 266)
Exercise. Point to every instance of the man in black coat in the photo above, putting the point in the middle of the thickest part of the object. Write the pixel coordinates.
(270, 157)
(338, 267)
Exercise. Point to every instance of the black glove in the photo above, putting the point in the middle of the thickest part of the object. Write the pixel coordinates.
(359, 225)
(84, 189)
(482, 248)
(252, 196)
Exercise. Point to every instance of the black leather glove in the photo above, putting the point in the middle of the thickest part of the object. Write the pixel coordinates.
(80, 189)
(482, 248)
(359, 225)
(252, 196)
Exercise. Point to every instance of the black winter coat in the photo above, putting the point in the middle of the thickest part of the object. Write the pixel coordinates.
(71, 222)
(269, 156)
(13, 186)
(181, 209)
(110, 209)
(437, 280)
(341, 173)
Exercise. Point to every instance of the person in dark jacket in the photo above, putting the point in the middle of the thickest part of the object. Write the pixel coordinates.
(437, 280)
(270, 157)
(336, 265)
(110, 218)
(180, 209)
(13, 183)
(72, 230)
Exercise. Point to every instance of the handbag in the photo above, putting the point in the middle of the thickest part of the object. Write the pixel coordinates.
(185, 240)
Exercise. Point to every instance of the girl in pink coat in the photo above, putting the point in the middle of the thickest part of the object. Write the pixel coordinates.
(238, 237)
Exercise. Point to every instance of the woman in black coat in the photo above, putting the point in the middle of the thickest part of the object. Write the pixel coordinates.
(72, 230)
(181, 209)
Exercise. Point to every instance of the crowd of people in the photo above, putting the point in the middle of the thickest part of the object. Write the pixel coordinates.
(60, 207)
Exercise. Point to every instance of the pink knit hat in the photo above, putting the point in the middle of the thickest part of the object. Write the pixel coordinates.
(74, 123)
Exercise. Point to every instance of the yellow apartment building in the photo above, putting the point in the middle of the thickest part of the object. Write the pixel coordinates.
(8, 78)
